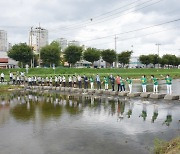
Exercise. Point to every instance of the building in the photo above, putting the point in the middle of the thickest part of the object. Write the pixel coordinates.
(135, 63)
(3, 41)
(38, 38)
(6, 62)
(100, 64)
(63, 43)
(75, 43)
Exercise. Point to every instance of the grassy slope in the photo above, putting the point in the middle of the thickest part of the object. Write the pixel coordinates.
(171, 147)
(134, 73)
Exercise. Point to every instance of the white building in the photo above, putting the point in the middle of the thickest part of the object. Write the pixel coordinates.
(100, 63)
(75, 43)
(63, 43)
(3, 41)
(38, 38)
(135, 63)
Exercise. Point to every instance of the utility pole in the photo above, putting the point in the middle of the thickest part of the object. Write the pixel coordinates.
(115, 43)
(158, 45)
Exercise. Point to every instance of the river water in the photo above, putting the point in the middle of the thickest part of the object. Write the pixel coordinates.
(44, 123)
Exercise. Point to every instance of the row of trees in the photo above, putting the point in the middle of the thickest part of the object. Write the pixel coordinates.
(154, 59)
(51, 54)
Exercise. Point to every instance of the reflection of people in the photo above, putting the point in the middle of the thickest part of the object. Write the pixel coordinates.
(120, 110)
(129, 113)
(144, 112)
(168, 120)
(155, 114)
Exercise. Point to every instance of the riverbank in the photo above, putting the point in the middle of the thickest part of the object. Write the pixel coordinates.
(133, 73)
(171, 147)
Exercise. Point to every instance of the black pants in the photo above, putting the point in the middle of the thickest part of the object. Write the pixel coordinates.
(64, 84)
(98, 85)
(70, 84)
(85, 85)
(122, 88)
(119, 87)
(112, 86)
(2, 79)
(80, 84)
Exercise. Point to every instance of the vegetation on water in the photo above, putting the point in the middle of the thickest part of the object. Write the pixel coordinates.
(171, 147)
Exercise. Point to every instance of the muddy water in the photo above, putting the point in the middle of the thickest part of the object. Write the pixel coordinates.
(32, 123)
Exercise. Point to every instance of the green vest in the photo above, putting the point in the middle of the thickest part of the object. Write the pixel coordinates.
(155, 82)
(168, 80)
(143, 81)
(106, 80)
(129, 81)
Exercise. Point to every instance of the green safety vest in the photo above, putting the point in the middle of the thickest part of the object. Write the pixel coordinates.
(168, 81)
(143, 81)
(129, 81)
(155, 81)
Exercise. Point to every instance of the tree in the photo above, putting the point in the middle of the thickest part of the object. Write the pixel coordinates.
(145, 59)
(50, 54)
(169, 60)
(22, 53)
(72, 54)
(124, 57)
(109, 56)
(91, 55)
(154, 59)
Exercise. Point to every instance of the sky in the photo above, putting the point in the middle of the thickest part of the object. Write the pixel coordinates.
(95, 23)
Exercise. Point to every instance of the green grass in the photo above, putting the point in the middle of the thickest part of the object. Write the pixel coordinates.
(133, 73)
(171, 147)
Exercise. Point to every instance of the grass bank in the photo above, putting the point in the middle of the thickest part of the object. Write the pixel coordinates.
(171, 147)
(133, 73)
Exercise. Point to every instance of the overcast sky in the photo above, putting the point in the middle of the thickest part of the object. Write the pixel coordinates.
(88, 21)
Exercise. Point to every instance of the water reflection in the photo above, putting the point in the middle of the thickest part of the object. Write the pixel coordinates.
(25, 106)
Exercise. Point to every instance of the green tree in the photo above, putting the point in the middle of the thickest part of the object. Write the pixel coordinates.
(109, 56)
(50, 54)
(22, 53)
(72, 54)
(145, 59)
(154, 59)
(169, 60)
(124, 57)
(91, 55)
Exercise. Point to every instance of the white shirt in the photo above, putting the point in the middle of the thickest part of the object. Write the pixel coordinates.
(79, 78)
(56, 79)
(2, 75)
(64, 79)
(70, 79)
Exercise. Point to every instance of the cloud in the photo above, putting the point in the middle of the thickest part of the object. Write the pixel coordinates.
(72, 19)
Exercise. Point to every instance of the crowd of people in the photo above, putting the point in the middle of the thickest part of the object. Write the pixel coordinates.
(78, 81)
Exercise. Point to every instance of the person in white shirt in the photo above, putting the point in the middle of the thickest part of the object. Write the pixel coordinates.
(70, 80)
(56, 80)
(60, 80)
(2, 77)
(30, 81)
(10, 76)
(64, 81)
(47, 81)
(51, 81)
(74, 81)
(18, 79)
(79, 81)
